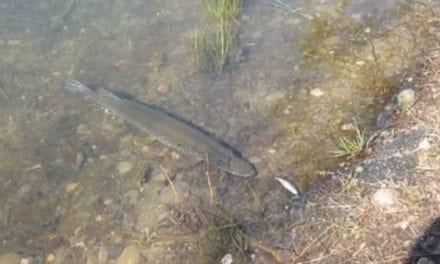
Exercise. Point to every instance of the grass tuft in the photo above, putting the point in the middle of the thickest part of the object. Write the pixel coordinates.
(350, 147)
(213, 46)
(349, 183)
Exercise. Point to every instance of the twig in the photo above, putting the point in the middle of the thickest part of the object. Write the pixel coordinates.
(315, 241)
(270, 251)
(208, 176)
(170, 182)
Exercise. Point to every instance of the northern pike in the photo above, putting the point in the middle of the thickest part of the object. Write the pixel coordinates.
(168, 129)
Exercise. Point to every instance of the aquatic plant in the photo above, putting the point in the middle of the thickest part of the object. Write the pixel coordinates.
(350, 147)
(222, 10)
(221, 234)
(213, 46)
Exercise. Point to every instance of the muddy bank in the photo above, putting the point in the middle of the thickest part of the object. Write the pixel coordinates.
(384, 207)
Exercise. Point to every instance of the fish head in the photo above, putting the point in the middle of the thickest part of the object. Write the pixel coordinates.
(241, 167)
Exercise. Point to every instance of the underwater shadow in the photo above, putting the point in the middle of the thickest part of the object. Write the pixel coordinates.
(427, 247)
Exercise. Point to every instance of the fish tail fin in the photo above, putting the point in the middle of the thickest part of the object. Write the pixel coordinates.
(76, 86)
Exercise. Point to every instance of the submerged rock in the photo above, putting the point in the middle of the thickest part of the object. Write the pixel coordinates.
(130, 255)
(406, 98)
(275, 96)
(163, 88)
(316, 92)
(385, 197)
(124, 167)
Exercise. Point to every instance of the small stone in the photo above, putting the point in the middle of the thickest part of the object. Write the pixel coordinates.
(163, 89)
(108, 202)
(385, 197)
(272, 151)
(360, 63)
(406, 98)
(124, 167)
(274, 96)
(359, 169)
(82, 129)
(403, 225)
(71, 186)
(98, 218)
(227, 259)
(25, 261)
(145, 149)
(424, 144)
(316, 92)
(175, 155)
(10, 258)
(50, 258)
(130, 255)
(348, 127)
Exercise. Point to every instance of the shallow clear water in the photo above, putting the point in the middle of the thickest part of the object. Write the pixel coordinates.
(300, 73)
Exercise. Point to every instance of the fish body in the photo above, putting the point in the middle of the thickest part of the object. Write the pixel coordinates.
(288, 186)
(168, 130)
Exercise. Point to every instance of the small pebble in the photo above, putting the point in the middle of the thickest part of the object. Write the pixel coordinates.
(50, 258)
(82, 129)
(403, 225)
(227, 259)
(385, 197)
(348, 127)
(406, 98)
(163, 89)
(130, 255)
(124, 167)
(274, 96)
(359, 169)
(424, 144)
(71, 186)
(316, 92)
(175, 155)
(145, 149)
(108, 202)
(25, 261)
(272, 151)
